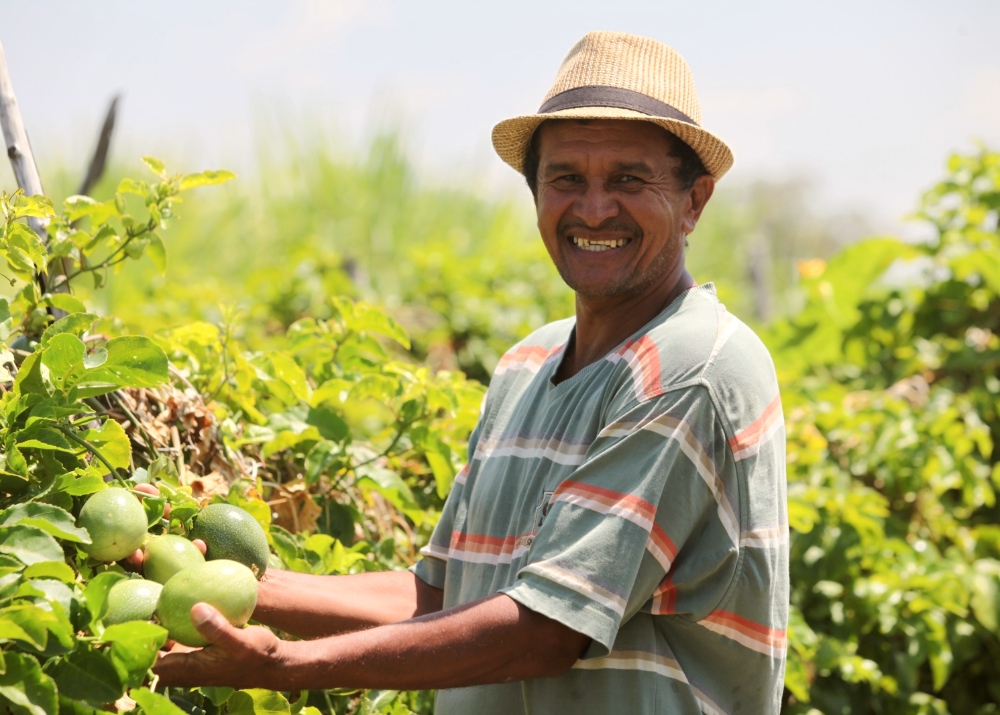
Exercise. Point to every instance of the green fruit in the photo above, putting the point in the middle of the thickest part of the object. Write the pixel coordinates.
(231, 533)
(228, 586)
(167, 554)
(132, 600)
(116, 522)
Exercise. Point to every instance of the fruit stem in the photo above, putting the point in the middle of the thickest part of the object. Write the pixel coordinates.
(93, 450)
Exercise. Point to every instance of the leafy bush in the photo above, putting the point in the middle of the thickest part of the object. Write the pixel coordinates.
(891, 395)
(336, 443)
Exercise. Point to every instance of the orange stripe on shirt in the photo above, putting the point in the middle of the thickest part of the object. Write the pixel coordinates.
(481, 543)
(607, 498)
(661, 547)
(664, 598)
(530, 356)
(758, 632)
(643, 359)
(753, 433)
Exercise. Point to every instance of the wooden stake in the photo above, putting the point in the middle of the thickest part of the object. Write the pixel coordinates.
(22, 160)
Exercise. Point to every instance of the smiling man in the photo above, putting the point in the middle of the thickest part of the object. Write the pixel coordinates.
(618, 542)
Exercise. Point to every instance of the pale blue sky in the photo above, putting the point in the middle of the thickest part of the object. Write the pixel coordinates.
(866, 98)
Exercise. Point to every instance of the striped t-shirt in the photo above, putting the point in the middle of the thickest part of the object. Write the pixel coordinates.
(640, 502)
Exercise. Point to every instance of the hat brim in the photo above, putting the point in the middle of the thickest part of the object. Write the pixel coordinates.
(511, 136)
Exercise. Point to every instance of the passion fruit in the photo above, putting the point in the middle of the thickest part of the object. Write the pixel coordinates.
(225, 584)
(166, 554)
(232, 533)
(116, 522)
(132, 600)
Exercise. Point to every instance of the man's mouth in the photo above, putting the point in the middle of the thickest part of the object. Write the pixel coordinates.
(591, 244)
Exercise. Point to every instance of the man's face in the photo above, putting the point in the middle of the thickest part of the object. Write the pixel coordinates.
(611, 212)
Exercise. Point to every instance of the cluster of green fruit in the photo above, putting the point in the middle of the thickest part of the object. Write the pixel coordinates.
(176, 573)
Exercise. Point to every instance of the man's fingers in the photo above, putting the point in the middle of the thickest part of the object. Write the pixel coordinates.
(147, 489)
(135, 559)
(214, 627)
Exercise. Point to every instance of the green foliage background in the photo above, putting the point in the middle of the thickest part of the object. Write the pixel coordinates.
(337, 318)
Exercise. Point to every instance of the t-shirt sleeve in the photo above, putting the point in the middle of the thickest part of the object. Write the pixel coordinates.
(648, 521)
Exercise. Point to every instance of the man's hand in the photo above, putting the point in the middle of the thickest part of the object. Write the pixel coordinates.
(236, 657)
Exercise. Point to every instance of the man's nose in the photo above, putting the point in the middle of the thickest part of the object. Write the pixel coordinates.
(596, 204)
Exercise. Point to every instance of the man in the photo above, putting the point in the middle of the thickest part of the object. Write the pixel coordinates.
(618, 540)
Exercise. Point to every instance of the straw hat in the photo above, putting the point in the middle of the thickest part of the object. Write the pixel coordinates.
(612, 75)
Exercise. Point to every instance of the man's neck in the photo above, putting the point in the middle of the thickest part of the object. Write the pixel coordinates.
(601, 325)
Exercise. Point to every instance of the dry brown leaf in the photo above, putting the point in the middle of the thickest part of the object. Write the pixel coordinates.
(293, 508)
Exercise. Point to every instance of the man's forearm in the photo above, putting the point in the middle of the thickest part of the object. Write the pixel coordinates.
(312, 606)
(492, 640)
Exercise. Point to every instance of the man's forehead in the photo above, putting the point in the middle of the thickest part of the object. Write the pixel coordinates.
(597, 131)
(629, 143)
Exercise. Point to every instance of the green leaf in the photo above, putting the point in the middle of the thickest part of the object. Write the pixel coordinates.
(257, 701)
(321, 458)
(134, 647)
(154, 703)
(29, 377)
(74, 324)
(15, 627)
(218, 695)
(132, 361)
(387, 483)
(985, 599)
(78, 207)
(112, 442)
(289, 372)
(41, 437)
(65, 302)
(157, 253)
(6, 321)
(29, 244)
(55, 592)
(87, 675)
(36, 206)
(51, 519)
(27, 689)
(131, 186)
(63, 356)
(330, 424)
(29, 544)
(155, 165)
(205, 178)
(366, 318)
(12, 463)
(96, 592)
(78, 484)
(438, 456)
(51, 570)
(75, 707)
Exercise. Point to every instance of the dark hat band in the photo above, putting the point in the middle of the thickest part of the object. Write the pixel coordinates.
(600, 96)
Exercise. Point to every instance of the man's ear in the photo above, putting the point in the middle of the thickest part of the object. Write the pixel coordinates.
(699, 195)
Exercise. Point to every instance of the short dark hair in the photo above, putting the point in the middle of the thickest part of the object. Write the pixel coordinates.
(687, 172)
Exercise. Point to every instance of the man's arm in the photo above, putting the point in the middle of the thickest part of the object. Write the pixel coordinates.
(310, 606)
(492, 640)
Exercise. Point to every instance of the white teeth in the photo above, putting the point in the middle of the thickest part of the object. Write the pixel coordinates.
(589, 245)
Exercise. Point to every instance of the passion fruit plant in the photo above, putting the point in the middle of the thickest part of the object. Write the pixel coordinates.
(892, 399)
(336, 443)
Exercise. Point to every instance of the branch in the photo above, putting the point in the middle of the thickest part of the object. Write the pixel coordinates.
(96, 169)
(94, 451)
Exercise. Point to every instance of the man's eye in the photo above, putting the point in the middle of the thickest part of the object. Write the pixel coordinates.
(628, 179)
(567, 179)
